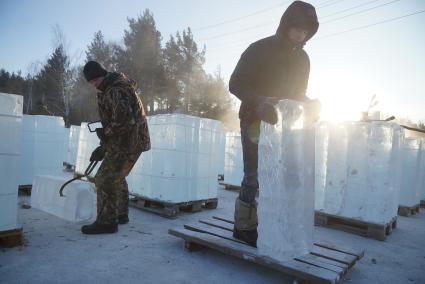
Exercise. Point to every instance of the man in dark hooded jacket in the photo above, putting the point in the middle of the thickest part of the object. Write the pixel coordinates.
(123, 137)
(269, 70)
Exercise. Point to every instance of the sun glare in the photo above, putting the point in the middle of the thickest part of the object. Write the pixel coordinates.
(341, 100)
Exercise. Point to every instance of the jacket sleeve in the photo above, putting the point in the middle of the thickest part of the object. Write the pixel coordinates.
(121, 117)
(303, 73)
(241, 82)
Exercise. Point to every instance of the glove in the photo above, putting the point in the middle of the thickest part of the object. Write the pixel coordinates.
(266, 110)
(98, 154)
(313, 108)
(100, 132)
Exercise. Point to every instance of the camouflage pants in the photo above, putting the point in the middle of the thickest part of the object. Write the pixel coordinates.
(112, 188)
(250, 133)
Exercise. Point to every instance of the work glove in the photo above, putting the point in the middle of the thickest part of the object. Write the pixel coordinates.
(266, 110)
(312, 110)
(100, 132)
(98, 154)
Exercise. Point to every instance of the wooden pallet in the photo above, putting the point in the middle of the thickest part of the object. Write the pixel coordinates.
(25, 189)
(11, 238)
(422, 203)
(168, 209)
(324, 264)
(408, 210)
(366, 229)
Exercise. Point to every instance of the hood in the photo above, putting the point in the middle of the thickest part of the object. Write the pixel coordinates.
(115, 79)
(298, 14)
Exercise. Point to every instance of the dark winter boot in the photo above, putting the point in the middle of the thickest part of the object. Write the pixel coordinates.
(123, 219)
(96, 228)
(245, 228)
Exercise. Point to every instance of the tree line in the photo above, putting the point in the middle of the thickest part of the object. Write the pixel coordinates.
(171, 77)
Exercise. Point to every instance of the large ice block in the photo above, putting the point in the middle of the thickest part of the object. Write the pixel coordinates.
(183, 162)
(222, 150)
(286, 178)
(79, 203)
(44, 146)
(233, 163)
(87, 142)
(421, 183)
(362, 164)
(411, 172)
(74, 135)
(10, 152)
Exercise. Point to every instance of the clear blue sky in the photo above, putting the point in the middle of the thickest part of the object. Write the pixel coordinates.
(387, 59)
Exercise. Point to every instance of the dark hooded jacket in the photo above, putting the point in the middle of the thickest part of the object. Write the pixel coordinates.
(123, 117)
(273, 67)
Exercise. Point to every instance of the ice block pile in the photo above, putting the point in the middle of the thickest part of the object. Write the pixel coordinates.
(87, 142)
(358, 165)
(183, 162)
(79, 203)
(44, 146)
(286, 178)
(10, 151)
(411, 172)
(233, 162)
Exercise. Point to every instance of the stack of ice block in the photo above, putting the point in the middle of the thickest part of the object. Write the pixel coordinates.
(87, 142)
(74, 135)
(411, 172)
(286, 178)
(79, 203)
(44, 146)
(233, 162)
(362, 162)
(10, 151)
(183, 162)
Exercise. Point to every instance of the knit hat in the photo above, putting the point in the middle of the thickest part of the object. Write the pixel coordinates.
(93, 70)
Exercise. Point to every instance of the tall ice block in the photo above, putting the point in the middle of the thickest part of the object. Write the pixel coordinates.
(286, 178)
(78, 204)
(358, 170)
(183, 162)
(44, 146)
(74, 136)
(10, 152)
(87, 142)
(233, 162)
(411, 172)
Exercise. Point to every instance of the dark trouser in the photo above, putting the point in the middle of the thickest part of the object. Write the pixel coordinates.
(250, 133)
(112, 189)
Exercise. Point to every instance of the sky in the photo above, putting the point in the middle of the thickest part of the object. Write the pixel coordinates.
(362, 48)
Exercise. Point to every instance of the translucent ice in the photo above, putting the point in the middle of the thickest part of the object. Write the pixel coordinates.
(411, 173)
(286, 178)
(87, 142)
(183, 163)
(44, 146)
(233, 163)
(363, 170)
(79, 203)
(10, 152)
(74, 135)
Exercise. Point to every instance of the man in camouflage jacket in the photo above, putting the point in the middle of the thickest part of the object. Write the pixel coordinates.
(123, 138)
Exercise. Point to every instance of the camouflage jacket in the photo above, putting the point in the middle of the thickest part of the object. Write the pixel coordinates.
(123, 117)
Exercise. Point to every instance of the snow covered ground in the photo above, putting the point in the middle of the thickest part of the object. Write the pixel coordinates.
(143, 252)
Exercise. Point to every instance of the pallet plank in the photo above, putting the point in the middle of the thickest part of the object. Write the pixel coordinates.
(293, 268)
(218, 224)
(358, 253)
(334, 255)
(321, 262)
